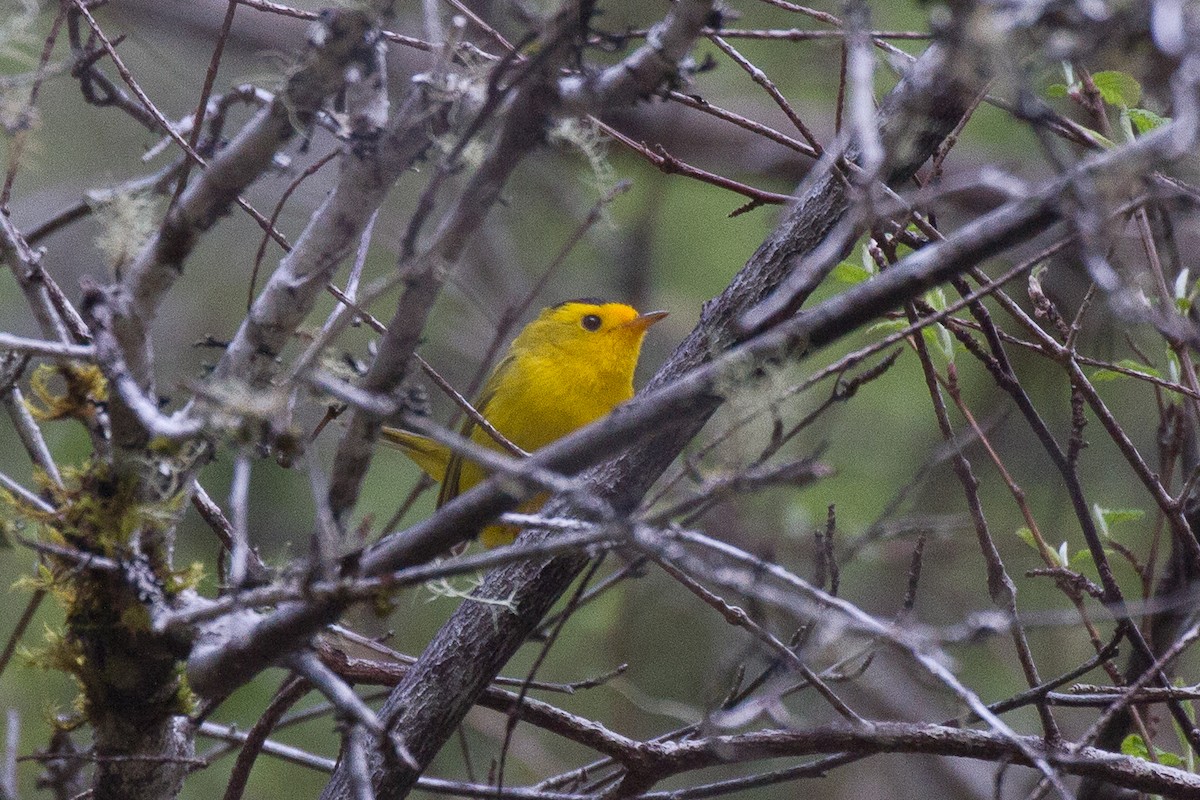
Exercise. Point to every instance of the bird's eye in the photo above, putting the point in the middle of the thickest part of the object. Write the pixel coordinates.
(590, 323)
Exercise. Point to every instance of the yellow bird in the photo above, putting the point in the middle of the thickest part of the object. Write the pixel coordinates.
(567, 368)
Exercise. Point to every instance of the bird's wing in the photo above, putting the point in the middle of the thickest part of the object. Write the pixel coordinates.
(452, 482)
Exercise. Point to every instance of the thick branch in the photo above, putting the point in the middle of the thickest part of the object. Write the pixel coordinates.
(643, 71)
(671, 758)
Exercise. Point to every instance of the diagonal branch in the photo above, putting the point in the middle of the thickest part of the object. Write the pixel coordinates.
(342, 39)
(898, 737)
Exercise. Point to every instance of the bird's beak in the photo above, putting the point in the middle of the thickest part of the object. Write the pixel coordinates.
(643, 321)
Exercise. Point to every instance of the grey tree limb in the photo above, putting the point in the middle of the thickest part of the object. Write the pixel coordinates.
(339, 40)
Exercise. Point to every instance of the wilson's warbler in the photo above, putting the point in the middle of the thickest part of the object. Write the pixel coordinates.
(570, 366)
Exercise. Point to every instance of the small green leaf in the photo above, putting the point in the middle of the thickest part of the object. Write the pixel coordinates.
(1026, 536)
(1117, 88)
(946, 342)
(1108, 518)
(1126, 126)
(1145, 121)
(1134, 745)
(1115, 516)
(936, 298)
(939, 341)
(888, 326)
(1137, 366)
(1105, 375)
(1101, 375)
(849, 272)
(1056, 90)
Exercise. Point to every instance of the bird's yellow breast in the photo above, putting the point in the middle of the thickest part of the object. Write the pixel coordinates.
(543, 401)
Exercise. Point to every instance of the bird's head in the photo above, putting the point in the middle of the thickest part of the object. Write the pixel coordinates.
(590, 334)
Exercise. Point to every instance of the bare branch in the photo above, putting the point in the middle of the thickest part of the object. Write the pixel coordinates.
(62, 351)
(1135, 773)
(342, 39)
(368, 172)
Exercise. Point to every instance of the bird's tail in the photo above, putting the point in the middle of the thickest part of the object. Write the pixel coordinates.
(426, 453)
